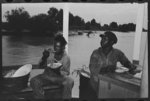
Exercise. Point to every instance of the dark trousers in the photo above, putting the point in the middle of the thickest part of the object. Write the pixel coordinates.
(41, 80)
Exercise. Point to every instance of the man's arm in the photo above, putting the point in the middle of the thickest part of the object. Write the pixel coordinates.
(43, 60)
(93, 64)
(93, 67)
(65, 71)
(125, 62)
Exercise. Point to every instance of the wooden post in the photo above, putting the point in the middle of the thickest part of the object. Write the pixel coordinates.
(66, 23)
(144, 79)
(138, 33)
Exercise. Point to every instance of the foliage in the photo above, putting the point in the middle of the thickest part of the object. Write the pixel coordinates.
(19, 20)
(78, 23)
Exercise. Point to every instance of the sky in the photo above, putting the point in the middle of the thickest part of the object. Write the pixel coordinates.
(106, 13)
(101, 12)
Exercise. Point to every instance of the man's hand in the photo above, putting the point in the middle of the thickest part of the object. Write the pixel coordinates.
(136, 69)
(45, 54)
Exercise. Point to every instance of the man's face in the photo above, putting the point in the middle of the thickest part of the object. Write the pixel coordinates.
(105, 42)
(58, 47)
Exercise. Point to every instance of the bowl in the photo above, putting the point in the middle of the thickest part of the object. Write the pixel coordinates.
(17, 81)
(55, 65)
(13, 84)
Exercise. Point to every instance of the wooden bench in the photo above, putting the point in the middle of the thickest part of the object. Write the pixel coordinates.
(27, 93)
(53, 91)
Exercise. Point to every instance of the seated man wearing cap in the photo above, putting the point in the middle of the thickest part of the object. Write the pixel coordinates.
(57, 76)
(105, 58)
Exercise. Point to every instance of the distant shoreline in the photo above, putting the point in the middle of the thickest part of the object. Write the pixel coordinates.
(51, 34)
(28, 33)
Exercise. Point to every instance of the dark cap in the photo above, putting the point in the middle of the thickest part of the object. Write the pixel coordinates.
(110, 35)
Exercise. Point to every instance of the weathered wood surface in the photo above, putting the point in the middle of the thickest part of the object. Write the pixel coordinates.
(52, 92)
(118, 86)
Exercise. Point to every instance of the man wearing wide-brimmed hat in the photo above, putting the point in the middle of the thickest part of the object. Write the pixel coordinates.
(104, 59)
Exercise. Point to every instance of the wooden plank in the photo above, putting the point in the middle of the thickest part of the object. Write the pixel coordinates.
(29, 89)
(52, 92)
(114, 91)
(127, 78)
(144, 81)
(120, 81)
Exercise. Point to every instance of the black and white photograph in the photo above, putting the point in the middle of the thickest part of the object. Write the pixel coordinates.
(108, 69)
(63, 50)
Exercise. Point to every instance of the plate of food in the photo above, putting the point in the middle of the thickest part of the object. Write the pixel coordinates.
(121, 69)
(55, 67)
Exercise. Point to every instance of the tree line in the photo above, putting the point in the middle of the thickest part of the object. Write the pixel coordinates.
(19, 20)
(77, 22)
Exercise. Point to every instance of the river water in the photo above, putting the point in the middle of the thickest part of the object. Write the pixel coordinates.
(19, 50)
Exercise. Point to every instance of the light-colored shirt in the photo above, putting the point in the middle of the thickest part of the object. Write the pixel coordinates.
(65, 61)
